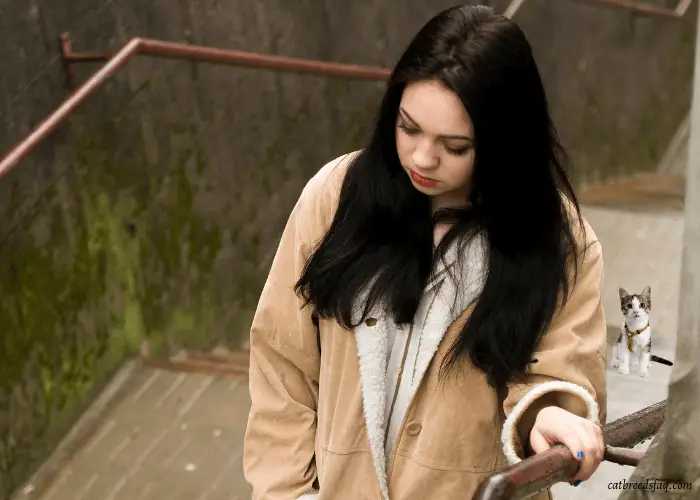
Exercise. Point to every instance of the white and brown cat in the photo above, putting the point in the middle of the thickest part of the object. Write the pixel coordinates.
(635, 334)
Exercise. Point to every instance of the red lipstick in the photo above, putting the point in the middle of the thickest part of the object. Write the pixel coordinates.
(422, 180)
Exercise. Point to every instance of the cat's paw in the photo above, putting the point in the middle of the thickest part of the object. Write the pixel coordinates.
(615, 363)
(644, 373)
(623, 370)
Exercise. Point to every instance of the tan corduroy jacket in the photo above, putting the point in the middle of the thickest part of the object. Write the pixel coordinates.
(316, 427)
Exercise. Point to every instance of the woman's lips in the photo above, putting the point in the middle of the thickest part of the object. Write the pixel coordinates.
(422, 180)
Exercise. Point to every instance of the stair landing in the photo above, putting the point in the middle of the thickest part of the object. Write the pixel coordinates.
(648, 192)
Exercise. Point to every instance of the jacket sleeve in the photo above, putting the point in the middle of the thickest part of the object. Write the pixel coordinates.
(279, 444)
(569, 367)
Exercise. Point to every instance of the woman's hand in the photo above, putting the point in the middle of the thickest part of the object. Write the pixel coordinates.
(554, 425)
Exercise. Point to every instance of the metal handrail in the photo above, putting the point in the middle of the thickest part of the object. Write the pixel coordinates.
(640, 8)
(558, 464)
(643, 8)
(159, 48)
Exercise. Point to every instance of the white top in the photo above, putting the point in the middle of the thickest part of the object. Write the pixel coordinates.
(408, 350)
(405, 341)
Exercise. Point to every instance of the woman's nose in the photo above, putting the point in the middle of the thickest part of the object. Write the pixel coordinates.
(424, 158)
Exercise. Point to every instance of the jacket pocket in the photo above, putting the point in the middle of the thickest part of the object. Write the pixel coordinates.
(348, 476)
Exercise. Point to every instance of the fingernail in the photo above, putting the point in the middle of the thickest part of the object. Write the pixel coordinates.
(577, 482)
(579, 454)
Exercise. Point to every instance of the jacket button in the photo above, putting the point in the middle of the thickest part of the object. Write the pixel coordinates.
(413, 429)
(371, 321)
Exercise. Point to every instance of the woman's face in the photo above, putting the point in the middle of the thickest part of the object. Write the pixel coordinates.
(435, 142)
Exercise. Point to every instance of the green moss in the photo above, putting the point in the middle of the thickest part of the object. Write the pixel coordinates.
(109, 277)
(121, 257)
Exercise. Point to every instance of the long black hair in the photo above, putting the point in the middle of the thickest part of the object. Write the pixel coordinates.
(382, 233)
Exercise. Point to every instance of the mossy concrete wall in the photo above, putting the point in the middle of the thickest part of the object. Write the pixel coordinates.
(152, 215)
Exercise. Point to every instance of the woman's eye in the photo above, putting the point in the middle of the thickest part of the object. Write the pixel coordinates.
(406, 130)
(456, 152)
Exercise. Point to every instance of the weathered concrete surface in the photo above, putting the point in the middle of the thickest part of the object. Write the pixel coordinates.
(152, 216)
(179, 436)
(676, 454)
(641, 249)
(175, 435)
(675, 158)
(641, 246)
(627, 394)
(624, 263)
(645, 193)
(605, 93)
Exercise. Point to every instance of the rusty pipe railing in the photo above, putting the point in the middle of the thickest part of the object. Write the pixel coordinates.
(636, 7)
(171, 50)
(643, 8)
(230, 57)
(178, 51)
(558, 464)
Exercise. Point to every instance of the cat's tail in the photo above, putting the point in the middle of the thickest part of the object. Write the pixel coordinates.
(663, 361)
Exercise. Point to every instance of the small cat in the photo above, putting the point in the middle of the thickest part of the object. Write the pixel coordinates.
(635, 334)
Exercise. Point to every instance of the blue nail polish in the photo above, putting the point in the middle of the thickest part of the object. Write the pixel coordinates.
(577, 482)
(579, 454)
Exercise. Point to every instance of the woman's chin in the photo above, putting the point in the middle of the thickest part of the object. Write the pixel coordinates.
(429, 190)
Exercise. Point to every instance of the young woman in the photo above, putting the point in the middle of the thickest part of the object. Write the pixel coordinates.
(433, 313)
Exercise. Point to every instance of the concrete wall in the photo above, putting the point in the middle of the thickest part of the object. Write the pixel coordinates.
(619, 85)
(641, 249)
(152, 216)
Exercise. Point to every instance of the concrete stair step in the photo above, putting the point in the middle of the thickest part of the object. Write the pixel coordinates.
(648, 192)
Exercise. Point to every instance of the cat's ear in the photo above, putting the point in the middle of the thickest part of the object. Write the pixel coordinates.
(623, 294)
(646, 292)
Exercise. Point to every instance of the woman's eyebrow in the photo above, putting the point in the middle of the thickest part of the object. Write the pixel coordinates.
(408, 118)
